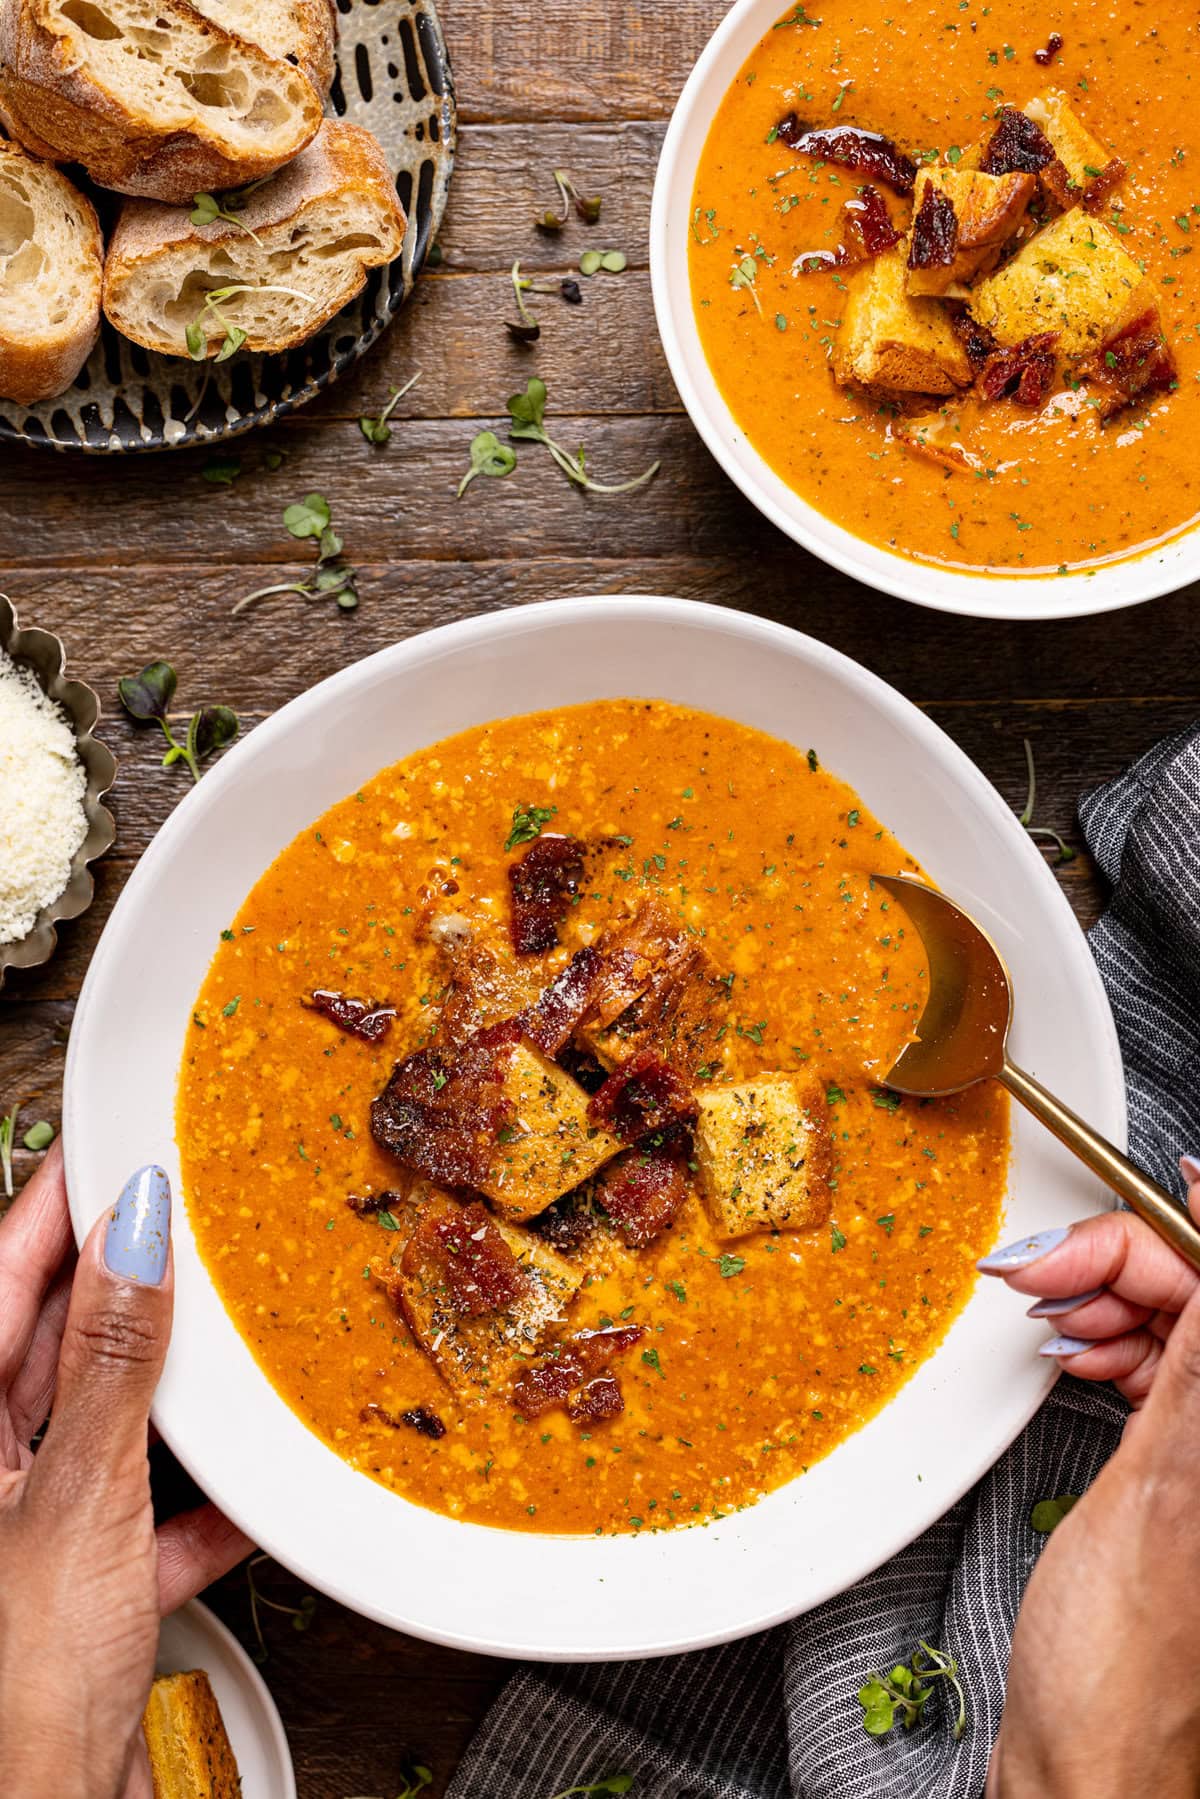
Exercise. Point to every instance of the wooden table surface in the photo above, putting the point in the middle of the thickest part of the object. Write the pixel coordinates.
(134, 559)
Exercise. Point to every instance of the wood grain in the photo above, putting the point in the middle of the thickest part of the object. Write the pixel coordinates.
(134, 559)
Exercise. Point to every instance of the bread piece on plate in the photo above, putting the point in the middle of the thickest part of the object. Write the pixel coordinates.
(763, 1155)
(51, 260)
(190, 1756)
(889, 339)
(983, 212)
(1073, 278)
(149, 95)
(303, 32)
(301, 250)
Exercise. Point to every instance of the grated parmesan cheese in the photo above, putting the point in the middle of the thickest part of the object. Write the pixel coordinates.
(42, 787)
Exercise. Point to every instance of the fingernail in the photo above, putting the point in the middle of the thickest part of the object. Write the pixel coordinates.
(1021, 1253)
(139, 1231)
(1189, 1167)
(1054, 1308)
(1065, 1346)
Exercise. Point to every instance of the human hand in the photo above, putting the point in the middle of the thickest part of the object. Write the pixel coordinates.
(1100, 1702)
(84, 1575)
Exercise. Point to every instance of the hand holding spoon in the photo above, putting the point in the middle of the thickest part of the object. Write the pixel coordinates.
(963, 1038)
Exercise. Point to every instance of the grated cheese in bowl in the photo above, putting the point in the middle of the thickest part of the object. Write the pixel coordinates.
(42, 788)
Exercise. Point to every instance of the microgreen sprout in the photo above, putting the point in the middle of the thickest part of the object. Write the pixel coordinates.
(207, 208)
(8, 1127)
(612, 262)
(1041, 833)
(377, 430)
(588, 210)
(527, 412)
(416, 1782)
(147, 697)
(199, 331)
(528, 331)
(743, 275)
(332, 578)
(39, 1136)
(1048, 1513)
(488, 457)
(612, 1783)
(528, 822)
(905, 1692)
(301, 1615)
(705, 219)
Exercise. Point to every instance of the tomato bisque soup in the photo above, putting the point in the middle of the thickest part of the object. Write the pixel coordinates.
(531, 1129)
(980, 349)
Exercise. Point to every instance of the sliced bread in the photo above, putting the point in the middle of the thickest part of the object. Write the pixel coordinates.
(149, 95)
(300, 250)
(189, 1749)
(51, 259)
(303, 32)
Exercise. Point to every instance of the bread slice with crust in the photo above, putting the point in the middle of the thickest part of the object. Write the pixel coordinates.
(303, 32)
(298, 254)
(889, 339)
(189, 1750)
(149, 95)
(51, 261)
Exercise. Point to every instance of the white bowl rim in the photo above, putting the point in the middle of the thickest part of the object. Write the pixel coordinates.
(475, 633)
(1110, 587)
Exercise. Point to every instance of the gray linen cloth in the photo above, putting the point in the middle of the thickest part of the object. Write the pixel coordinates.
(776, 1717)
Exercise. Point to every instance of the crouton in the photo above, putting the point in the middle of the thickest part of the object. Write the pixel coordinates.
(988, 210)
(548, 1145)
(1073, 278)
(472, 1290)
(889, 339)
(1086, 171)
(656, 991)
(763, 1156)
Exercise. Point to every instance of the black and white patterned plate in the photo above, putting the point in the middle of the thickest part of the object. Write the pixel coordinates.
(393, 76)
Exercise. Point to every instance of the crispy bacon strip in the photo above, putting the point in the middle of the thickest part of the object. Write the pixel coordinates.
(1018, 146)
(1101, 186)
(641, 1096)
(566, 1225)
(1134, 365)
(366, 1205)
(1054, 44)
(1026, 371)
(543, 883)
(464, 1252)
(419, 1418)
(867, 231)
(866, 152)
(571, 1367)
(443, 1109)
(934, 243)
(642, 1192)
(561, 1009)
(357, 1017)
(976, 339)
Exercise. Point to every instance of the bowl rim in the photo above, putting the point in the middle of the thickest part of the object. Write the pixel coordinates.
(397, 660)
(1130, 581)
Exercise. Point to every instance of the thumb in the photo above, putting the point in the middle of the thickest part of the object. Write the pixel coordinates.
(114, 1342)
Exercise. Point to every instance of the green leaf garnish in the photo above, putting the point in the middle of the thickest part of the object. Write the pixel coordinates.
(207, 209)
(528, 411)
(210, 318)
(488, 457)
(147, 696)
(730, 1265)
(528, 822)
(1049, 1512)
(39, 1136)
(588, 210)
(332, 579)
(307, 517)
(221, 471)
(600, 1789)
(905, 1692)
(416, 1782)
(377, 430)
(1040, 832)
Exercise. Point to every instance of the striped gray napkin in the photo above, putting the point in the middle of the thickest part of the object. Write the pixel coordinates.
(776, 1716)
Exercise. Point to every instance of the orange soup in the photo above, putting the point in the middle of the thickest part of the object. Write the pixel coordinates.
(1064, 473)
(672, 1363)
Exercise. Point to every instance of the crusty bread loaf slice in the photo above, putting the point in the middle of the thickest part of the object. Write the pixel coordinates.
(149, 95)
(303, 32)
(190, 1754)
(300, 251)
(51, 261)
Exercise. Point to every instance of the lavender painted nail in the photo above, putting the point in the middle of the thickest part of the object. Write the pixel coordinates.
(139, 1231)
(1054, 1308)
(1021, 1253)
(1189, 1167)
(1064, 1346)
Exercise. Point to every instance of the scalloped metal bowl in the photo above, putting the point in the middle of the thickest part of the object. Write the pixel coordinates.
(44, 654)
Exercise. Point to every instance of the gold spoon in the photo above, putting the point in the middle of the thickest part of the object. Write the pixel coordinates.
(963, 1038)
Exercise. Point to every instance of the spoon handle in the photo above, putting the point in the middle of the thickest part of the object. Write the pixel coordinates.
(1146, 1197)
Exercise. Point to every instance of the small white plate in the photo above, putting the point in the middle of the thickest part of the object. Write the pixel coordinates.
(518, 1593)
(1104, 589)
(192, 1638)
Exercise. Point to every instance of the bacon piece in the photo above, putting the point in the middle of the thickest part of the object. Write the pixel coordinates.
(420, 1418)
(934, 243)
(867, 152)
(561, 1009)
(1018, 146)
(868, 217)
(641, 1096)
(571, 1365)
(357, 1017)
(1054, 44)
(1026, 371)
(543, 883)
(976, 339)
(366, 1205)
(1132, 366)
(566, 1225)
(600, 1400)
(1101, 186)
(642, 1192)
(441, 1112)
(464, 1253)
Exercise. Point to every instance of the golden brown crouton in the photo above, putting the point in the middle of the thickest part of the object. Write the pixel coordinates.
(763, 1156)
(988, 210)
(1073, 278)
(889, 339)
(549, 1145)
(190, 1754)
(473, 1290)
(1089, 168)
